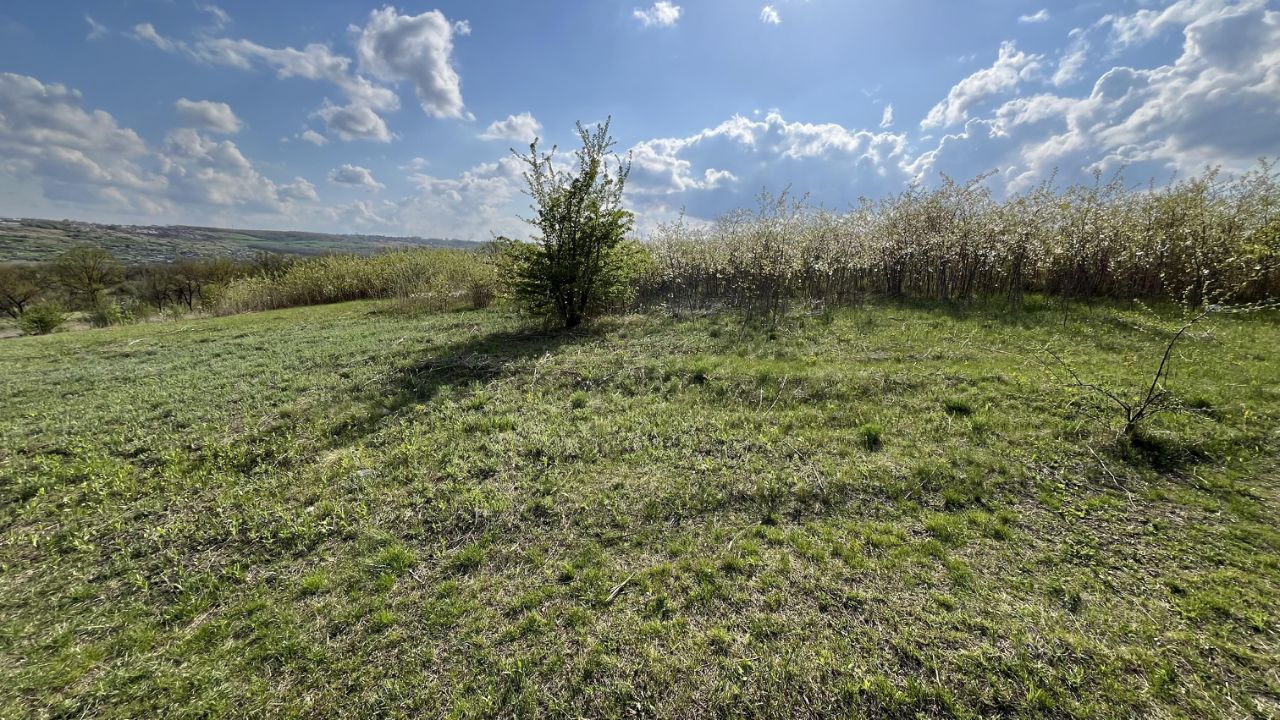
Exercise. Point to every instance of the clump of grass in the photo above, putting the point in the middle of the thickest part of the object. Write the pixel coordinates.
(949, 529)
(578, 400)
(314, 583)
(871, 435)
(466, 559)
(395, 559)
(382, 619)
(958, 406)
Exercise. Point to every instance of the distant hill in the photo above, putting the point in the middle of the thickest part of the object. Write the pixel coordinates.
(32, 240)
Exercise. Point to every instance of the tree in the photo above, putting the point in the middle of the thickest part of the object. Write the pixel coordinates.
(19, 287)
(86, 272)
(580, 220)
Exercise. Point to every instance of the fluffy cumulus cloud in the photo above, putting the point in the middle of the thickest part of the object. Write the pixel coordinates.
(313, 137)
(356, 176)
(523, 128)
(886, 119)
(1011, 67)
(1217, 103)
(85, 157)
(478, 204)
(76, 154)
(1148, 22)
(726, 165)
(1073, 59)
(354, 122)
(417, 49)
(299, 189)
(391, 47)
(769, 15)
(660, 14)
(207, 115)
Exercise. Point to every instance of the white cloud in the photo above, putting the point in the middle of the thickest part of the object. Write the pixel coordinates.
(417, 163)
(476, 205)
(206, 115)
(886, 120)
(85, 158)
(416, 48)
(75, 154)
(313, 137)
(359, 119)
(520, 128)
(1216, 104)
(220, 17)
(146, 32)
(355, 122)
(363, 214)
(722, 166)
(769, 15)
(299, 189)
(1145, 24)
(1011, 67)
(661, 14)
(1071, 63)
(97, 30)
(1039, 16)
(203, 171)
(355, 175)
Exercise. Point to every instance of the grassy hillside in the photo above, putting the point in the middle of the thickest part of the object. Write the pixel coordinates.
(40, 240)
(343, 512)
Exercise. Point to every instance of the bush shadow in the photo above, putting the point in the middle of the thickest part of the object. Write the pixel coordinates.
(483, 359)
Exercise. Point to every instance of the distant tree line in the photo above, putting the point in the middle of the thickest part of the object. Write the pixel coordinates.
(91, 281)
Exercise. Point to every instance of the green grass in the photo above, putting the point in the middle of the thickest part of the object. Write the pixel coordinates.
(344, 512)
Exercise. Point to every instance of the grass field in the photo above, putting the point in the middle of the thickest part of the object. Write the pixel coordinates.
(44, 240)
(345, 512)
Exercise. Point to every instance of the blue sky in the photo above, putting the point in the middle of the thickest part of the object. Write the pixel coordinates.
(358, 117)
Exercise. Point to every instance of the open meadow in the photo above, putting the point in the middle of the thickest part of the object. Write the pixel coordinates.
(881, 511)
(604, 360)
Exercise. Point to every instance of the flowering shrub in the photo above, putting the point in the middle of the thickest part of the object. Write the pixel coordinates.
(1195, 241)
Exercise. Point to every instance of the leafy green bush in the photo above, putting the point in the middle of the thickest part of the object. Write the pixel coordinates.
(41, 319)
(106, 313)
(568, 272)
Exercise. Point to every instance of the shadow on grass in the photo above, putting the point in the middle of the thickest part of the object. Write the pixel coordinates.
(478, 359)
(1160, 451)
(481, 359)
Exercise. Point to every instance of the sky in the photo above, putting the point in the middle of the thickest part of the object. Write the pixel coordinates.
(349, 116)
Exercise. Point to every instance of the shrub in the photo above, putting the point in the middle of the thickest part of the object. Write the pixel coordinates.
(432, 279)
(569, 272)
(41, 319)
(1197, 241)
(872, 436)
(106, 313)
